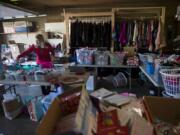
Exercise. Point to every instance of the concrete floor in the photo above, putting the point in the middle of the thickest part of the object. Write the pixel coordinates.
(22, 125)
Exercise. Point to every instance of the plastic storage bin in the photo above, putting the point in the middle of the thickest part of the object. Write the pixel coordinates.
(101, 58)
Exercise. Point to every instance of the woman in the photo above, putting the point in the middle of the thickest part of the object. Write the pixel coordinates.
(44, 54)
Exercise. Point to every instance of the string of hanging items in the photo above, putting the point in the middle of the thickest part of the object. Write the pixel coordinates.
(90, 32)
(143, 33)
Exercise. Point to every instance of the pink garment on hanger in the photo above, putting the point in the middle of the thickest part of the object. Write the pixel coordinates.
(122, 37)
(149, 36)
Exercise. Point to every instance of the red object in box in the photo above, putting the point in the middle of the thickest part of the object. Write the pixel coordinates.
(108, 124)
(117, 131)
(69, 103)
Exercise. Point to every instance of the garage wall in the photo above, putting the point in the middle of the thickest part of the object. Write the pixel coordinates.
(28, 38)
(55, 14)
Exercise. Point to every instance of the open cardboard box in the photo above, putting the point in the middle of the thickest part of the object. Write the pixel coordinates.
(54, 114)
(84, 113)
(166, 109)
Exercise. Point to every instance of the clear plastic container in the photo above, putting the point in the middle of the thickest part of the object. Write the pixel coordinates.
(101, 57)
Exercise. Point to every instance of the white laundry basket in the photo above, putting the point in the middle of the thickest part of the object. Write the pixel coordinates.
(171, 81)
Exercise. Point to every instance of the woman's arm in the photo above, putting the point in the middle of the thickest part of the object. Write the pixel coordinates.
(28, 51)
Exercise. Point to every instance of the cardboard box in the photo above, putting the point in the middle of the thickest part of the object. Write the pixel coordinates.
(48, 124)
(12, 108)
(165, 109)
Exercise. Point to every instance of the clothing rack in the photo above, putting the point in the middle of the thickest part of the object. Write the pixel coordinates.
(159, 12)
(141, 14)
(138, 13)
(87, 15)
(91, 19)
(138, 17)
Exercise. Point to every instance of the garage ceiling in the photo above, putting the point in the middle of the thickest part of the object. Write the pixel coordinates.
(44, 4)
(76, 3)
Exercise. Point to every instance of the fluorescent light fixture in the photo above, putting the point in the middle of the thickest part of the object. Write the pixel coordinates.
(8, 17)
(32, 16)
(8, 11)
(42, 15)
(19, 17)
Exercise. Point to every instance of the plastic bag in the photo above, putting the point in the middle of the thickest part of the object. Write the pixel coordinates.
(85, 56)
(101, 57)
(117, 58)
(47, 100)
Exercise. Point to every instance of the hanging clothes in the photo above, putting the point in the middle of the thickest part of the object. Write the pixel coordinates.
(129, 33)
(162, 37)
(144, 34)
(140, 34)
(149, 36)
(154, 33)
(90, 34)
(122, 37)
(158, 37)
(116, 37)
(135, 34)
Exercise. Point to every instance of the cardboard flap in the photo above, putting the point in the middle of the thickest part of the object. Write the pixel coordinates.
(86, 114)
(166, 109)
(47, 124)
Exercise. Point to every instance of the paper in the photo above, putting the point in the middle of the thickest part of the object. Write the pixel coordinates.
(101, 93)
(117, 100)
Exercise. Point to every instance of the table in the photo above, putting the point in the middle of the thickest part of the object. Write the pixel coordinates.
(33, 63)
(58, 80)
(151, 78)
(129, 68)
(7, 82)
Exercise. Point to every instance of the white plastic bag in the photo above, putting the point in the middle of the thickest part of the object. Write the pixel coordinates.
(47, 100)
(91, 83)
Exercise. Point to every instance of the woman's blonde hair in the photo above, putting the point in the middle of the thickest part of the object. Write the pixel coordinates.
(40, 37)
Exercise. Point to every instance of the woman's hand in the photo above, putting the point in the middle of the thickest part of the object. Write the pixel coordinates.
(17, 59)
(52, 59)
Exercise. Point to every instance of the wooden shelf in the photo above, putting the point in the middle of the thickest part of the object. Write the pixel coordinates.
(19, 33)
